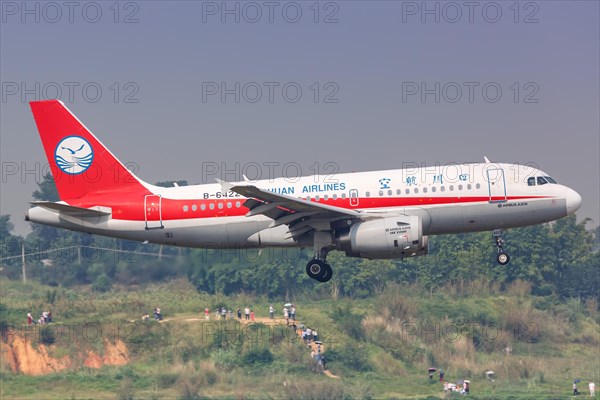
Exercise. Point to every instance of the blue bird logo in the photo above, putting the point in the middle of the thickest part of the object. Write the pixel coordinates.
(74, 155)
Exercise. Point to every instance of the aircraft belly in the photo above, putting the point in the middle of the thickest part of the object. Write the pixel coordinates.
(488, 216)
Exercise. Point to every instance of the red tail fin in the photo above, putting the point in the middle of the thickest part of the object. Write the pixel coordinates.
(79, 163)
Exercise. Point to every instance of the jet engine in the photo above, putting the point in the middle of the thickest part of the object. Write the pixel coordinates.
(389, 237)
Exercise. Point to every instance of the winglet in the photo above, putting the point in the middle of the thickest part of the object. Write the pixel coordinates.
(225, 186)
(486, 160)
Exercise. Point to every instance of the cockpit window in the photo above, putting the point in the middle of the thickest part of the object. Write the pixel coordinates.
(541, 180)
(550, 180)
(531, 181)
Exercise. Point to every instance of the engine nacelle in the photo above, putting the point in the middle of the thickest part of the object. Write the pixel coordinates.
(390, 237)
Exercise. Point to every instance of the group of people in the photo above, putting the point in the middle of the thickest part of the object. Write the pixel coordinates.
(451, 387)
(289, 313)
(223, 313)
(157, 315)
(45, 318)
(591, 387)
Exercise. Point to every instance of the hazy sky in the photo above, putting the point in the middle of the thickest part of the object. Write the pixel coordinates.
(184, 89)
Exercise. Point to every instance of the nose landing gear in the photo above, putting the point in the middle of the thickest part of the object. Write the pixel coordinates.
(502, 257)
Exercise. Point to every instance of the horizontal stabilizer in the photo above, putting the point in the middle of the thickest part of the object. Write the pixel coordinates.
(73, 211)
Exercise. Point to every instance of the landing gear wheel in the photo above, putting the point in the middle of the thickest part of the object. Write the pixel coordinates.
(328, 273)
(502, 258)
(319, 270)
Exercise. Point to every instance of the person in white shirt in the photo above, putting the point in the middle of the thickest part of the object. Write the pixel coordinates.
(592, 387)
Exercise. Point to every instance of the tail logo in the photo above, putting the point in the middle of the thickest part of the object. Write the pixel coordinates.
(74, 155)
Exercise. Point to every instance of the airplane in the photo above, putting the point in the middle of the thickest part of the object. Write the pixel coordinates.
(376, 215)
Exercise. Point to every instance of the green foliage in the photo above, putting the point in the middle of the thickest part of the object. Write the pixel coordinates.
(347, 321)
(102, 283)
(257, 356)
(350, 355)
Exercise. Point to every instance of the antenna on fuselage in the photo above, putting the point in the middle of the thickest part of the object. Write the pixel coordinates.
(486, 160)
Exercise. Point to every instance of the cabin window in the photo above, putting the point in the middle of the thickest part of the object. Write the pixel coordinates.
(451, 188)
(238, 204)
(185, 208)
(541, 180)
(326, 197)
(407, 191)
(334, 196)
(477, 186)
(194, 207)
(220, 205)
(433, 189)
(212, 206)
(343, 195)
(398, 192)
(531, 181)
(424, 190)
(459, 187)
(390, 192)
(229, 205)
(368, 194)
(442, 188)
(469, 186)
(550, 180)
(203, 207)
(416, 190)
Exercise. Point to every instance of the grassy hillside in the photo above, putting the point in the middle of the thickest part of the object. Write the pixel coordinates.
(380, 347)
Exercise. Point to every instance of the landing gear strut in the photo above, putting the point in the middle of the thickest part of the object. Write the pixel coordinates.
(502, 257)
(317, 268)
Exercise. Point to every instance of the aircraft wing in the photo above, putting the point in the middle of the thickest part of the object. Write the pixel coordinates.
(303, 215)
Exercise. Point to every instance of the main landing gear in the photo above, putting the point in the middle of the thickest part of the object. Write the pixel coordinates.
(317, 268)
(502, 257)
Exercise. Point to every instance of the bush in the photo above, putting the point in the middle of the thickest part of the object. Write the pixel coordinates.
(258, 356)
(350, 356)
(348, 322)
(102, 283)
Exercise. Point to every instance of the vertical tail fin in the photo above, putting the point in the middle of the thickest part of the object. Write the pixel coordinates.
(79, 162)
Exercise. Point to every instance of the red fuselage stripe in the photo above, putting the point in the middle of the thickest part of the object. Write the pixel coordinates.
(171, 209)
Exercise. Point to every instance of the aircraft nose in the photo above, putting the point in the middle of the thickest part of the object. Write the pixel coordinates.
(573, 201)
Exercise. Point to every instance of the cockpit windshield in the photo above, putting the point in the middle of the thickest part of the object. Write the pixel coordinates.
(540, 180)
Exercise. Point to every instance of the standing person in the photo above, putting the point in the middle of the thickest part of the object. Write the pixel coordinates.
(575, 392)
(315, 336)
(252, 315)
(293, 312)
(247, 312)
(286, 315)
(29, 319)
(272, 311)
(592, 387)
(308, 334)
(207, 314)
(441, 375)
(239, 313)
(223, 313)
